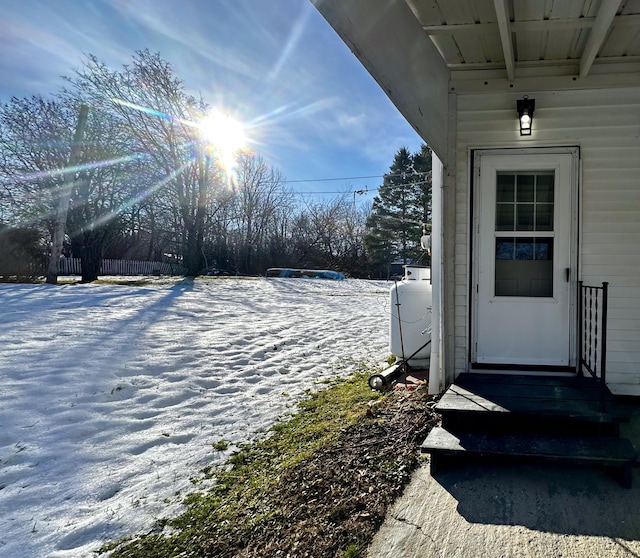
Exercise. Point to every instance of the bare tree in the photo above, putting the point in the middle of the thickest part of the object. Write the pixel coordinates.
(35, 142)
(106, 186)
(260, 194)
(161, 118)
(36, 139)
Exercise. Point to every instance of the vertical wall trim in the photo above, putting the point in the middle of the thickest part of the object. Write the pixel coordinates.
(436, 378)
(449, 247)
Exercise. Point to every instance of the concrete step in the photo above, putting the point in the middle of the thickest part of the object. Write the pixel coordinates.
(618, 453)
(485, 401)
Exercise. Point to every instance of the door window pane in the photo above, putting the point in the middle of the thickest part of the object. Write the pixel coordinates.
(525, 201)
(506, 188)
(524, 249)
(505, 218)
(526, 188)
(544, 188)
(525, 217)
(544, 217)
(543, 249)
(505, 248)
(524, 266)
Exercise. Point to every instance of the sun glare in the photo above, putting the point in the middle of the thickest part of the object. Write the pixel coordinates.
(225, 136)
(222, 135)
(221, 130)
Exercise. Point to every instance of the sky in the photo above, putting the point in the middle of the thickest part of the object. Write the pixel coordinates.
(112, 396)
(311, 110)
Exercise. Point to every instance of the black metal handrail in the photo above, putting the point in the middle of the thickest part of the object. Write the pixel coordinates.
(592, 331)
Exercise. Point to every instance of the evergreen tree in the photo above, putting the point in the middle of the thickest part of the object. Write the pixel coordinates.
(400, 211)
(422, 166)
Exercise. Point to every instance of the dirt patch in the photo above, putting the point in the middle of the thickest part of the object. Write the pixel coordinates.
(333, 503)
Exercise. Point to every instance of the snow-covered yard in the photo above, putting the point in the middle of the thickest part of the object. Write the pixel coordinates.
(111, 396)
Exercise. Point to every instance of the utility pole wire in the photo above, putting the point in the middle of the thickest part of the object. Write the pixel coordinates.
(351, 177)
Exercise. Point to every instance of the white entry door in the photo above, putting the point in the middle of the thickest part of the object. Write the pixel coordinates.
(525, 257)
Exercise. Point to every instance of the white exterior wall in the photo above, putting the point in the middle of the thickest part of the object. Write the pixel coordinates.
(605, 124)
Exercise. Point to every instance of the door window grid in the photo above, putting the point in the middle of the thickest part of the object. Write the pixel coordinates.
(524, 203)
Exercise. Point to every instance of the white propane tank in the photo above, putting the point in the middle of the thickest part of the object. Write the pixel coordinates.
(410, 322)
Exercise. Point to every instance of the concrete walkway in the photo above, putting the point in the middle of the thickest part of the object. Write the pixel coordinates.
(490, 510)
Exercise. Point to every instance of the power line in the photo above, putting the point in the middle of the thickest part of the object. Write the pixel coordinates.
(350, 192)
(330, 179)
(365, 190)
(353, 177)
(335, 192)
(359, 191)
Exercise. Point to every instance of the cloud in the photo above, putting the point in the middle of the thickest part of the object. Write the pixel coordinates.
(209, 34)
(28, 48)
(292, 42)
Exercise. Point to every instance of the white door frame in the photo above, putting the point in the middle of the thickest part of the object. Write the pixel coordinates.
(574, 154)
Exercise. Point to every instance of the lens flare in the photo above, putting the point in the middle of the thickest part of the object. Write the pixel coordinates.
(225, 137)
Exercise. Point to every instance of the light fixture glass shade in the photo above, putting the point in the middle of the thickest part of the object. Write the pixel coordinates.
(526, 108)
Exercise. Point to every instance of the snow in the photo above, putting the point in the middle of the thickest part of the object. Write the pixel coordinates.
(111, 396)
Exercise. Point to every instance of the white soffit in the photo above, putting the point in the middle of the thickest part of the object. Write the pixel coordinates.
(506, 41)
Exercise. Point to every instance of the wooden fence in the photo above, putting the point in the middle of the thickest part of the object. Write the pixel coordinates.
(71, 266)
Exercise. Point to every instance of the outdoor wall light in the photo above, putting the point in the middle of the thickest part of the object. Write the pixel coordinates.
(526, 108)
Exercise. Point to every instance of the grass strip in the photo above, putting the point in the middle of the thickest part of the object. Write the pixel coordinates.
(319, 484)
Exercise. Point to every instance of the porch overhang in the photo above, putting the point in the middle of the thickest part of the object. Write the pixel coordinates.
(423, 53)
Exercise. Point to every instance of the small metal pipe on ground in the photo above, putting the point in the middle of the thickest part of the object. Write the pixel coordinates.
(388, 375)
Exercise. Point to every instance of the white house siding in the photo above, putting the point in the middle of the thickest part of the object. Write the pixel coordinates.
(605, 124)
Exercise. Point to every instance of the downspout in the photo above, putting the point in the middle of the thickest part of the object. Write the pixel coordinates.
(435, 372)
